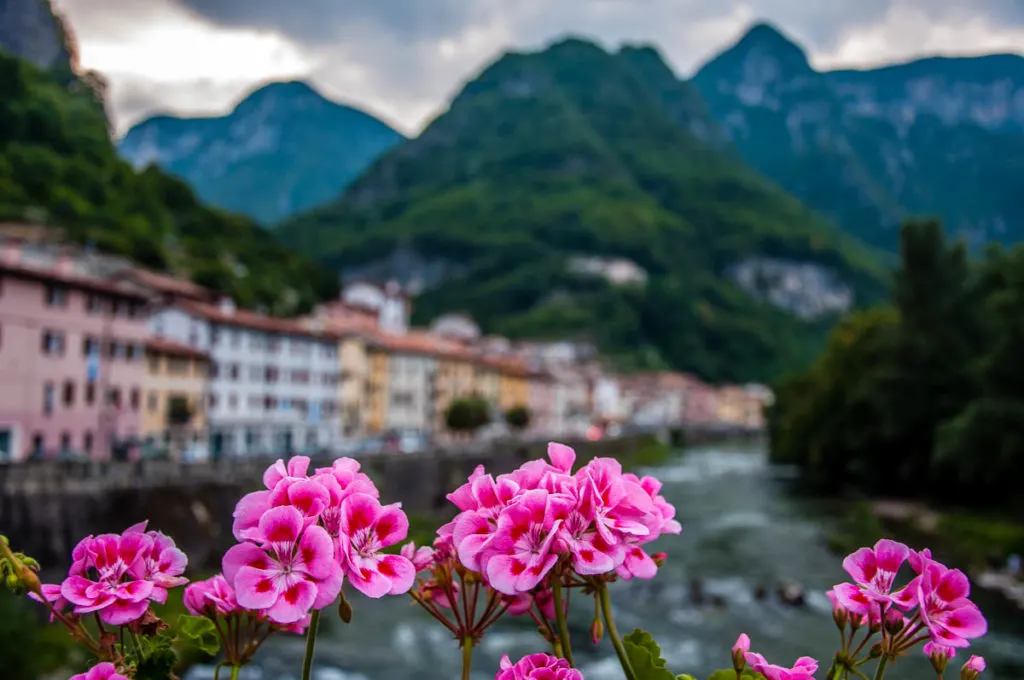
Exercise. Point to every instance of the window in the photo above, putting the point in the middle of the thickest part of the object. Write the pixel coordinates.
(256, 341)
(193, 334)
(113, 349)
(65, 441)
(37, 444)
(214, 369)
(53, 343)
(131, 351)
(269, 403)
(235, 370)
(69, 394)
(116, 307)
(300, 377)
(214, 336)
(273, 343)
(236, 339)
(56, 296)
(49, 392)
(233, 401)
(90, 394)
(153, 402)
(94, 304)
(254, 402)
(134, 398)
(89, 345)
(154, 363)
(87, 442)
(212, 401)
(401, 399)
(134, 309)
(271, 374)
(114, 396)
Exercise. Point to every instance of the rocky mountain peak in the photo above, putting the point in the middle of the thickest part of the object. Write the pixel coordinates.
(29, 29)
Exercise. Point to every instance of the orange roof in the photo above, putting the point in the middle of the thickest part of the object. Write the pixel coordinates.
(164, 283)
(252, 320)
(172, 348)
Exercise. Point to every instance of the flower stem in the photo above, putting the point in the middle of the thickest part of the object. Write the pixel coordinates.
(307, 662)
(467, 656)
(613, 632)
(234, 672)
(563, 627)
(880, 671)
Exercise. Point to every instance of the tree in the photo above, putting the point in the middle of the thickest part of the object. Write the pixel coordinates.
(467, 414)
(178, 411)
(518, 417)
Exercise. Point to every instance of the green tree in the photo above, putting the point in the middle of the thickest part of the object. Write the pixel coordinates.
(467, 414)
(518, 417)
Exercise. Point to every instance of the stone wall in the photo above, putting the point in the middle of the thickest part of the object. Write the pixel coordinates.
(45, 508)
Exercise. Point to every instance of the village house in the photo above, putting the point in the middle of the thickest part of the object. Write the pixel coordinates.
(175, 393)
(71, 356)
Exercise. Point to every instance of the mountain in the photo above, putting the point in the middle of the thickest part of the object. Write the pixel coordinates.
(574, 192)
(30, 30)
(937, 136)
(284, 149)
(58, 166)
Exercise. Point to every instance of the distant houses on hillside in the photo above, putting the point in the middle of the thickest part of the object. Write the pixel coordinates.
(100, 358)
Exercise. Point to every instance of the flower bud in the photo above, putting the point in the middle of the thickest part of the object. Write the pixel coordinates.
(894, 621)
(659, 558)
(973, 668)
(876, 650)
(739, 652)
(13, 583)
(344, 609)
(939, 655)
(596, 630)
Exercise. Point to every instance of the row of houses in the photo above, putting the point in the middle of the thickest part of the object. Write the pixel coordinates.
(101, 358)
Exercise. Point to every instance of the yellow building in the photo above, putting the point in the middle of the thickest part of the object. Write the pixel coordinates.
(455, 379)
(739, 406)
(514, 386)
(487, 380)
(175, 388)
(377, 417)
(354, 354)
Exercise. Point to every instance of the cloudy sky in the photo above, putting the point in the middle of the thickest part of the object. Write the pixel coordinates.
(402, 59)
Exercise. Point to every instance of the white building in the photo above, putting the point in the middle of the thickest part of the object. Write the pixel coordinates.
(571, 414)
(607, 399)
(274, 384)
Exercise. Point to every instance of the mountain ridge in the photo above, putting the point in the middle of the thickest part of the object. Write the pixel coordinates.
(283, 148)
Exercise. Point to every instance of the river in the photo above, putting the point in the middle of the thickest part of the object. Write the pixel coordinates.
(741, 529)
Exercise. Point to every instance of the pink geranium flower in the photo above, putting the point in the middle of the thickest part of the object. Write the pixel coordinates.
(367, 527)
(804, 668)
(163, 563)
(942, 597)
(874, 571)
(212, 597)
(537, 667)
(520, 552)
(422, 558)
(287, 570)
(102, 671)
(110, 585)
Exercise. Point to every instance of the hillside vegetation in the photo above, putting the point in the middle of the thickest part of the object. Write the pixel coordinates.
(59, 167)
(577, 151)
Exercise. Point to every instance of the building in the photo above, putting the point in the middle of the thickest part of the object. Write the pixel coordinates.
(487, 382)
(571, 415)
(71, 356)
(175, 393)
(455, 378)
(513, 384)
(411, 401)
(274, 383)
(541, 400)
(701, 406)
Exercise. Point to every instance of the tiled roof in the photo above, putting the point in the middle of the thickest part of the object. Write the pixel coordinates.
(252, 320)
(165, 283)
(73, 280)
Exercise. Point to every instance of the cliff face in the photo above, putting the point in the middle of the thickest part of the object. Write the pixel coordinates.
(30, 29)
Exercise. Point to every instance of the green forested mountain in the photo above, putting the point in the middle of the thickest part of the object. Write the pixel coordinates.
(284, 149)
(58, 166)
(574, 152)
(938, 136)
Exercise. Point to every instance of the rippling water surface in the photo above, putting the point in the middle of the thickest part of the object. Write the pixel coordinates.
(741, 530)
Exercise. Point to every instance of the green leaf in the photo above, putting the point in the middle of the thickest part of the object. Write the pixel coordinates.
(158, 664)
(685, 677)
(645, 657)
(730, 674)
(198, 632)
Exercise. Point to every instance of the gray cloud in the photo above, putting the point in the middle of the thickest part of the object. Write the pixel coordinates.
(403, 58)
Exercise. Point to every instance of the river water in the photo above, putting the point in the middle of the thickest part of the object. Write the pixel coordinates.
(741, 530)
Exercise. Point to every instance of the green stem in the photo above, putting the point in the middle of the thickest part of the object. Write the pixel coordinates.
(307, 662)
(234, 672)
(613, 633)
(563, 627)
(467, 656)
(880, 671)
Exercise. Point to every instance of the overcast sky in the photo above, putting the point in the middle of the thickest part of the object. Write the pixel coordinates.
(402, 59)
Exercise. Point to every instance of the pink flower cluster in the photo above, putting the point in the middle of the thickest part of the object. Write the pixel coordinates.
(118, 576)
(101, 671)
(537, 667)
(935, 601)
(514, 528)
(301, 536)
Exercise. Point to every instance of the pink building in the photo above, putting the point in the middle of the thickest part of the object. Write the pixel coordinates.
(72, 362)
(701, 404)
